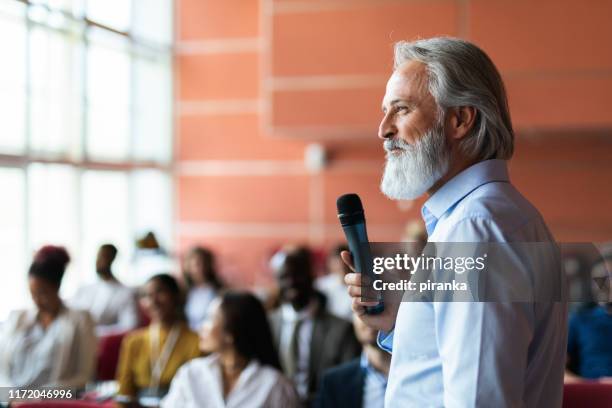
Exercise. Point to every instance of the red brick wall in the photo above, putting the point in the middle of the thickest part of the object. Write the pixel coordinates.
(259, 80)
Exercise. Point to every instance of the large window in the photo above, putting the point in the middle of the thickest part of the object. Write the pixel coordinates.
(85, 133)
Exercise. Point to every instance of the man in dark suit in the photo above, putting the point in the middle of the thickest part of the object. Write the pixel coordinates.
(309, 339)
(361, 382)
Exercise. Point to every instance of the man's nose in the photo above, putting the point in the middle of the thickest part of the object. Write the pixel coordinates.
(386, 129)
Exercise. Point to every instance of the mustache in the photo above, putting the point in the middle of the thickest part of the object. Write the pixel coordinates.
(392, 144)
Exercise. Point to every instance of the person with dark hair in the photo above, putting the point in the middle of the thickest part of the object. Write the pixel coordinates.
(308, 337)
(360, 382)
(242, 369)
(111, 304)
(203, 284)
(51, 345)
(333, 287)
(150, 357)
(589, 346)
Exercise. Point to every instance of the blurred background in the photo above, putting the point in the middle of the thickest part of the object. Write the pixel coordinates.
(235, 124)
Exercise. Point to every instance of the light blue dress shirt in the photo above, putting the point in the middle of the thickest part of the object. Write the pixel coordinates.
(374, 385)
(476, 354)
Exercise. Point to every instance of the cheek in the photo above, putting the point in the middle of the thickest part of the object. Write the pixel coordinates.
(413, 126)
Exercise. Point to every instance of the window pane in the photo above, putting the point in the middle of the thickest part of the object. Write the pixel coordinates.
(53, 212)
(13, 291)
(55, 92)
(108, 97)
(152, 204)
(12, 81)
(106, 219)
(74, 7)
(112, 13)
(152, 109)
(152, 20)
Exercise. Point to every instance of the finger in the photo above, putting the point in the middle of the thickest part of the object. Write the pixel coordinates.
(357, 279)
(353, 279)
(364, 303)
(354, 291)
(357, 308)
(347, 258)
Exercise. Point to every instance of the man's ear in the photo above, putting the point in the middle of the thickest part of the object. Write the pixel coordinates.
(461, 121)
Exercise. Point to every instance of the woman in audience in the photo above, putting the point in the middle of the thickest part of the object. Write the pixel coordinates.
(50, 345)
(243, 367)
(150, 357)
(203, 284)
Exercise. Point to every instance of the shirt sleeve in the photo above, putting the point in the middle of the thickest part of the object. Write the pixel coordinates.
(84, 353)
(484, 346)
(283, 395)
(128, 318)
(572, 342)
(125, 376)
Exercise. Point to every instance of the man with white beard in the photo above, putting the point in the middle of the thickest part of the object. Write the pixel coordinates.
(447, 133)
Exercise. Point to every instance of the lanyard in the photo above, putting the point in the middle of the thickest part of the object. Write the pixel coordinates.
(159, 360)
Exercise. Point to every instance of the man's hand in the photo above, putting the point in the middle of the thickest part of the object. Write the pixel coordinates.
(384, 321)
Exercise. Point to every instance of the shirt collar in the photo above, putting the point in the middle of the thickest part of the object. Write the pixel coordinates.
(289, 314)
(460, 186)
(365, 365)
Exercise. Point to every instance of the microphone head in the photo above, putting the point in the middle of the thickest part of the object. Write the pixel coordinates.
(350, 209)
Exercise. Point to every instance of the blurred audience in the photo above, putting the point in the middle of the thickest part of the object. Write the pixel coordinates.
(111, 304)
(150, 357)
(589, 349)
(150, 259)
(308, 337)
(203, 284)
(333, 287)
(360, 383)
(242, 368)
(50, 345)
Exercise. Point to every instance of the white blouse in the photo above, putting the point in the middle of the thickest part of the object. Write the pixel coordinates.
(63, 354)
(198, 383)
(112, 306)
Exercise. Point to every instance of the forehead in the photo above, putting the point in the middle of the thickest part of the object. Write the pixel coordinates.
(408, 82)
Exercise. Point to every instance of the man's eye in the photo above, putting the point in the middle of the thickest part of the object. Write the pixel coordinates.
(402, 109)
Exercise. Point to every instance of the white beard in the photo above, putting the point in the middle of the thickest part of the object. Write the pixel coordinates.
(416, 169)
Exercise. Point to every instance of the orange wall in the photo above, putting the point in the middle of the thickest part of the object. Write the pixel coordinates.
(259, 80)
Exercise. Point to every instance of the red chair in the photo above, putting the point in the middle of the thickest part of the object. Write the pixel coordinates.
(108, 355)
(587, 394)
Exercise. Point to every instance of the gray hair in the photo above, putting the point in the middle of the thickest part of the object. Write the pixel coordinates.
(461, 74)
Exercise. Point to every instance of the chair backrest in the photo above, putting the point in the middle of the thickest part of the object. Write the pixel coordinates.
(588, 394)
(108, 355)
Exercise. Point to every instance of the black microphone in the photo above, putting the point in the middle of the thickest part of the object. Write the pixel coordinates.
(352, 219)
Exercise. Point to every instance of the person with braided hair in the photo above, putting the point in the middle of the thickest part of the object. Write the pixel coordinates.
(51, 344)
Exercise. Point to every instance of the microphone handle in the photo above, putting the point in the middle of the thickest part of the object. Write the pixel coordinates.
(357, 239)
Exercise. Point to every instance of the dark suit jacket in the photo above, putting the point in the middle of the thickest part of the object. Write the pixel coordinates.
(333, 342)
(342, 386)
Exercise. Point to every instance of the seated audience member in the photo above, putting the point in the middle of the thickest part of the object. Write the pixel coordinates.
(589, 348)
(150, 357)
(308, 337)
(242, 369)
(112, 305)
(51, 345)
(360, 383)
(333, 287)
(202, 285)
